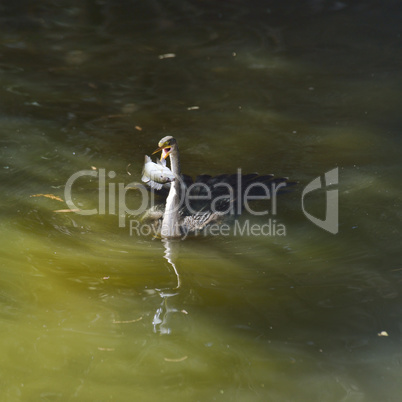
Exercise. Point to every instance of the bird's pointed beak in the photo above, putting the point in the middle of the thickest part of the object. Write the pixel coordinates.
(165, 151)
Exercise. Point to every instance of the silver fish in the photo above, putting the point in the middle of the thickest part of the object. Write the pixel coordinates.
(156, 174)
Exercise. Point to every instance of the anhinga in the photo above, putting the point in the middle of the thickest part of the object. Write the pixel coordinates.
(193, 205)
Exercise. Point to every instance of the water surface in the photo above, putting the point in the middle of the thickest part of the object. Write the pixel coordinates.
(90, 312)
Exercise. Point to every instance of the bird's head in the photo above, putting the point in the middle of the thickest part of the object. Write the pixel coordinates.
(167, 145)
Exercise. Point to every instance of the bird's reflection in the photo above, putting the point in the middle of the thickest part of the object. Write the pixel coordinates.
(160, 321)
(171, 254)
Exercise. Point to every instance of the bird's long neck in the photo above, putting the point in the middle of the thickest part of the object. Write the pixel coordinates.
(170, 223)
(175, 161)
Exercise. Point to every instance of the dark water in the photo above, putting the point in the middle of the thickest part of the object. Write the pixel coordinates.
(90, 311)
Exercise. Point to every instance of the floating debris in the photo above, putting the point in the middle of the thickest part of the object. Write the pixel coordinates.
(67, 210)
(166, 56)
(51, 196)
(129, 108)
(127, 169)
(180, 359)
(383, 333)
(127, 322)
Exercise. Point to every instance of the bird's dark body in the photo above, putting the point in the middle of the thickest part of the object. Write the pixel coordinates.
(214, 199)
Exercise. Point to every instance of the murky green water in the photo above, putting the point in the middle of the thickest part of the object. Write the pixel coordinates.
(89, 312)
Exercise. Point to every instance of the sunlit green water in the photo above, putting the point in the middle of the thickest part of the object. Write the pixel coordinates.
(90, 312)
